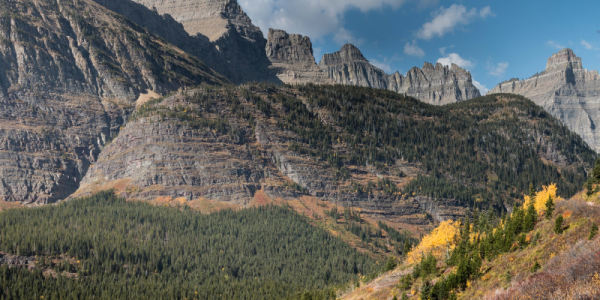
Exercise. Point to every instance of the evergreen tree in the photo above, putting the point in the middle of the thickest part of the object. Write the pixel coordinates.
(549, 208)
(531, 192)
(536, 267)
(596, 171)
(426, 290)
(593, 231)
(558, 225)
(530, 217)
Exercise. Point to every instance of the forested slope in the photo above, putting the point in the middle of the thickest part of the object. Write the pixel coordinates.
(392, 156)
(103, 247)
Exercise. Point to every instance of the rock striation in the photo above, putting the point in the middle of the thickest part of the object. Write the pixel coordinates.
(217, 32)
(67, 84)
(437, 84)
(292, 58)
(567, 91)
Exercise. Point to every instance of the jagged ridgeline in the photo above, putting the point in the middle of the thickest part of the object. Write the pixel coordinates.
(389, 154)
(71, 72)
(104, 247)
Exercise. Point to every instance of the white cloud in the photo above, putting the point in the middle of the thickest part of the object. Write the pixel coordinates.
(385, 63)
(343, 36)
(454, 58)
(588, 45)
(497, 70)
(482, 88)
(413, 49)
(446, 19)
(443, 50)
(313, 18)
(554, 44)
(382, 65)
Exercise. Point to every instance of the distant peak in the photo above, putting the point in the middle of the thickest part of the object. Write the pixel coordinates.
(348, 53)
(563, 59)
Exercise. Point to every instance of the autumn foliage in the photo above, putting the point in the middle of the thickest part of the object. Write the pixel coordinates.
(541, 198)
(438, 242)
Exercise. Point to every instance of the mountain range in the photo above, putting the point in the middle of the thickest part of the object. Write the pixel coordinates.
(186, 104)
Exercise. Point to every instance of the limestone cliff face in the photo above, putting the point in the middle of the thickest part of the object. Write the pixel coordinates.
(432, 84)
(292, 58)
(219, 33)
(66, 85)
(567, 91)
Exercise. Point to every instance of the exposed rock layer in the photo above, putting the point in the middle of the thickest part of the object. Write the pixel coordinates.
(66, 85)
(292, 58)
(432, 84)
(218, 32)
(567, 91)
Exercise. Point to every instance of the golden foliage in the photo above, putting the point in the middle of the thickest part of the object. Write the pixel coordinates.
(440, 240)
(541, 197)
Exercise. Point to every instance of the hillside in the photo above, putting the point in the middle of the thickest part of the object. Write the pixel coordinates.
(169, 253)
(394, 157)
(69, 81)
(533, 253)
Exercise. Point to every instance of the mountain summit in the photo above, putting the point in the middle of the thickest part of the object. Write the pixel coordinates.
(432, 84)
(567, 91)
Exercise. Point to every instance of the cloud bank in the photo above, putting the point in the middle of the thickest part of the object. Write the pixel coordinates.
(313, 18)
(447, 19)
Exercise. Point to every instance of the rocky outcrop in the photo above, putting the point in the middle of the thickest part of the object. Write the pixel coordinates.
(217, 32)
(67, 84)
(567, 91)
(432, 84)
(292, 58)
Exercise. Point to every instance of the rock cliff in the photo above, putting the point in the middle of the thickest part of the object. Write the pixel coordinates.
(292, 58)
(432, 84)
(218, 32)
(567, 91)
(67, 83)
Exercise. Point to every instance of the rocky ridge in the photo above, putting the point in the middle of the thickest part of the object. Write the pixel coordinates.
(567, 91)
(432, 84)
(217, 32)
(67, 86)
(292, 58)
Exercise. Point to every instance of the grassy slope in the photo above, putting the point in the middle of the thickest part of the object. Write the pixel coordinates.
(569, 262)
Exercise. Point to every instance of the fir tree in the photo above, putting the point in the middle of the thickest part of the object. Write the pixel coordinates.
(558, 225)
(536, 267)
(530, 217)
(549, 208)
(593, 231)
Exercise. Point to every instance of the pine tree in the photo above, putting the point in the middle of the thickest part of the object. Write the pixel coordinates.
(531, 192)
(536, 266)
(404, 296)
(549, 208)
(596, 171)
(530, 217)
(558, 225)
(593, 231)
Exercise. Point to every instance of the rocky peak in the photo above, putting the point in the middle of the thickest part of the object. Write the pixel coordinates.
(284, 47)
(348, 53)
(292, 58)
(564, 59)
(567, 91)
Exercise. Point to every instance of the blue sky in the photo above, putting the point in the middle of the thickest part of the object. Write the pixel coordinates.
(495, 40)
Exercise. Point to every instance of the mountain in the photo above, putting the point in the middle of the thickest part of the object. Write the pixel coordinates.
(392, 156)
(292, 58)
(567, 91)
(432, 84)
(217, 32)
(67, 85)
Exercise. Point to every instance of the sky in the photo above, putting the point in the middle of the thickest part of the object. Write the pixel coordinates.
(494, 40)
